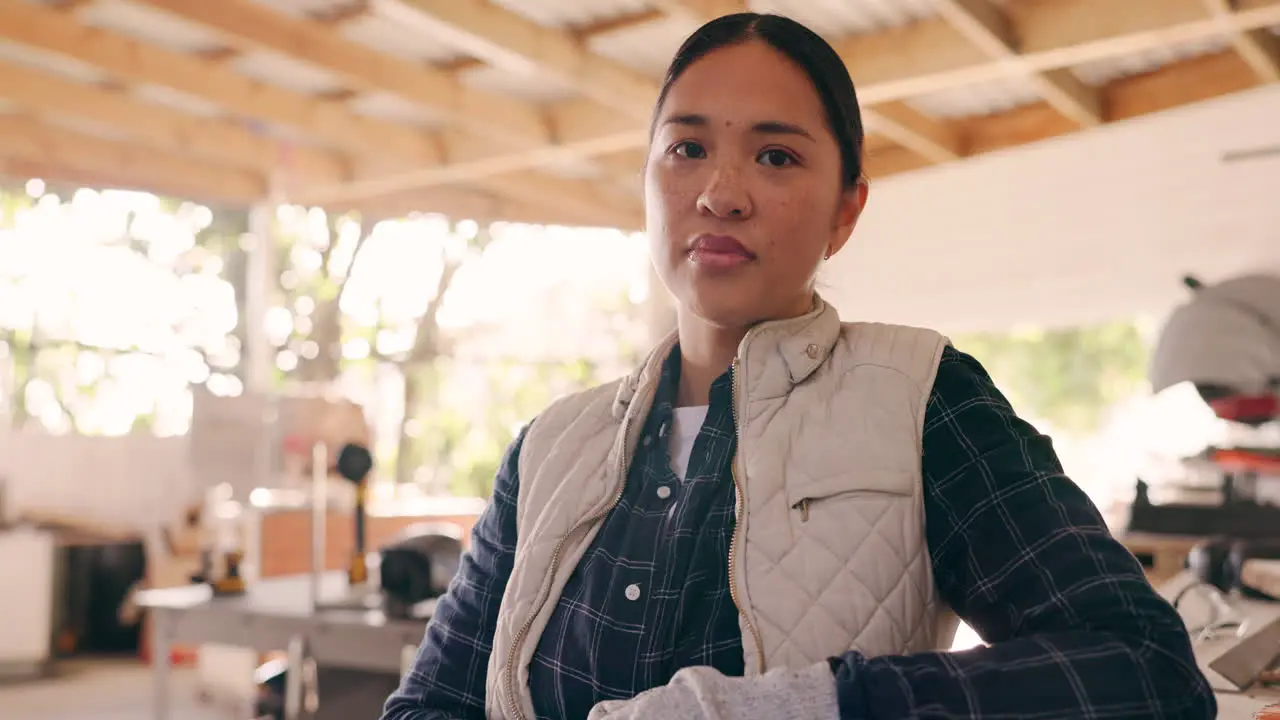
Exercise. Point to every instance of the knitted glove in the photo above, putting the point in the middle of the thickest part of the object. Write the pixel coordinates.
(701, 693)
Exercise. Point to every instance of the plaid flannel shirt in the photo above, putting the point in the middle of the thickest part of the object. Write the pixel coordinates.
(1017, 550)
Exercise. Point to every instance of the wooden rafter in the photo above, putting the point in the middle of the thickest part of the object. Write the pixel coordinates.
(989, 27)
(25, 139)
(922, 58)
(248, 24)
(1259, 48)
(700, 10)
(215, 140)
(505, 40)
(387, 145)
(490, 150)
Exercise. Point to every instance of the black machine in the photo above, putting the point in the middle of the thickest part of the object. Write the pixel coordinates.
(418, 566)
(1236, 515)
(1226, 343)
(412, 571)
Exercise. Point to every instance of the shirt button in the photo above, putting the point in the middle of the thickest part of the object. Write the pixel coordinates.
(664, 492)
(633, 592)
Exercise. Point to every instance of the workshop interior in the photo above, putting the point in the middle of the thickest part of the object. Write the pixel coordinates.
(280, 281)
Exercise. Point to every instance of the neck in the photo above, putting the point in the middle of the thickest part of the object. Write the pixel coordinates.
(706, 351)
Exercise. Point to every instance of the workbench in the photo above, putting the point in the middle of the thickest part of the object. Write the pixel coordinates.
(1233, 703)
(277, 614)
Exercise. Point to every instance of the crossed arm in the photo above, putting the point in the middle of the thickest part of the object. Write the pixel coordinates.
(1018, 551)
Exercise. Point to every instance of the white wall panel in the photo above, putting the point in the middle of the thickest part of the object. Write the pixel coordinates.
(1080, 229)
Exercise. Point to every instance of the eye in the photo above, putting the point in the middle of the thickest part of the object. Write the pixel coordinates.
(689, 149)
(773, 157)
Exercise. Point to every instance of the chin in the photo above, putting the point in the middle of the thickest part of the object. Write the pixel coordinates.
(724, 308)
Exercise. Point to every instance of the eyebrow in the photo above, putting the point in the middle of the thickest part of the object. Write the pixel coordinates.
(766, 127)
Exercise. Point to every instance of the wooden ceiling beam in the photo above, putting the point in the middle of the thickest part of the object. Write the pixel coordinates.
(344, 14)
(215, 140)
(506, 40)
(136, 62)
(1260, 48)
(21, 169)
(922, 58)
(988, 27)
(252, 25)
(518, 45)
(1191, 81)
(23, 138)
(892, 160)
(617, 24)
(474, 204)
(700, 11)
(931, 139)
(930, 56)
(397, 147)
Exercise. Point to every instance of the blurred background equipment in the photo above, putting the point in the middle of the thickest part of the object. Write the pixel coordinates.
(419, 566)
(1225, 341)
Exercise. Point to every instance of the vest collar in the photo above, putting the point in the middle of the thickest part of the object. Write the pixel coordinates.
(775, 356)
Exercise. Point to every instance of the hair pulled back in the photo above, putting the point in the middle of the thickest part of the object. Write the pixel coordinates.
(819, 61)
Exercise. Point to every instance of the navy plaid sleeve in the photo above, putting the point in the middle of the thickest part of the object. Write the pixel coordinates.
(447, 681)
(1021, 553)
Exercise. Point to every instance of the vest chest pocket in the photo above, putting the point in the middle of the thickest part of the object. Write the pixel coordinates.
(835, 489)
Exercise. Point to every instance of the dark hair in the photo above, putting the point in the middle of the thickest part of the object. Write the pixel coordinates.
(818, 60)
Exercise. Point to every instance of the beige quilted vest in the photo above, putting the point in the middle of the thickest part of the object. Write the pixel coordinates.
(829, 552)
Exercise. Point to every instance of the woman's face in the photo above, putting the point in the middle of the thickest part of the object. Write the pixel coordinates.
(743, 188)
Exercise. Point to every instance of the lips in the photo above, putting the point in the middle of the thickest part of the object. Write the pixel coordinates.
(719, 251)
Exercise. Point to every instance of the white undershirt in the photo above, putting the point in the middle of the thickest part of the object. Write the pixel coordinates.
(685, 424)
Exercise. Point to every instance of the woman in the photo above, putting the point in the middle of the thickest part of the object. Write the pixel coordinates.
(775, 515)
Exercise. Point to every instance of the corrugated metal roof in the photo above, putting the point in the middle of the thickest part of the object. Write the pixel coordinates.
(984, 99)
(393, 38)
(839, 18)
(303, 8)
(150, 26)
(88, 127)
(537, 88)
(573, 13)
(176, 100)
(50, 62)
(386, 106)
(287, 72)
(1104, 71)
(645, 48)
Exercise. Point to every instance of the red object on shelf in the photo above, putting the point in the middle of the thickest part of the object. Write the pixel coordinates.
(1247, 461)
(181, 656)
(1247, 408)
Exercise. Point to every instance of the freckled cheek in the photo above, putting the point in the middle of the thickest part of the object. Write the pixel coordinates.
(675, 194)
(788, 222)
(671, 202)
(670, 207)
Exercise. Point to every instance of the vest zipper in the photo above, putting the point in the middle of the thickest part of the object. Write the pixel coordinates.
(513, 705)
(738, 486)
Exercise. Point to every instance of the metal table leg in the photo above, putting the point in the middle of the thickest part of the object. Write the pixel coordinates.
(301, 687)
(293, 682)
(161, 653)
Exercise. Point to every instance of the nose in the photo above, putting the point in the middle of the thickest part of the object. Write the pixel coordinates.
(725, 195)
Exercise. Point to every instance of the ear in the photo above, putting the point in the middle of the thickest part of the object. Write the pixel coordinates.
(852, 200)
